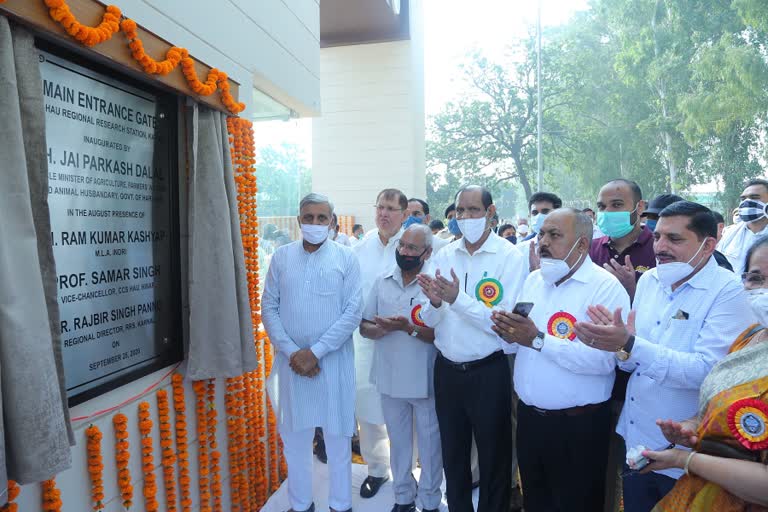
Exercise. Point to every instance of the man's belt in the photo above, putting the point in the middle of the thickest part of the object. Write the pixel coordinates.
(570, 411)
(470, 365)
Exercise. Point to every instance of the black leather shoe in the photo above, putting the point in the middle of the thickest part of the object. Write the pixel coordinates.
(404, 508)
(371, 486)
(310, 509)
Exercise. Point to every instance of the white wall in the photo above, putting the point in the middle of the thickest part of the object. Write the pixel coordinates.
(370, 135)
(272, 40)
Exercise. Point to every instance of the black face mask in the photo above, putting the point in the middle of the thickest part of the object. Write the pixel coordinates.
(408, 263)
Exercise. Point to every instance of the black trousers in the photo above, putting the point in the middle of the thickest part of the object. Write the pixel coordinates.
(475, 400)
(563, 459)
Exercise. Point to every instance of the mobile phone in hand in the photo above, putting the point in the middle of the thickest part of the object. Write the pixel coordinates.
(523, 308)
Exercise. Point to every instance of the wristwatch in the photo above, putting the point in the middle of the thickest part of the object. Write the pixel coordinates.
(624, 352)
(538, 341)
(415, 331)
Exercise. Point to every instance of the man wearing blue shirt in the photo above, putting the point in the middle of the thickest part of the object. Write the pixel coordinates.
(687, 312)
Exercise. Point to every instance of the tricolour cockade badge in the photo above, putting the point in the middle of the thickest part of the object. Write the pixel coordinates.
(489, 291)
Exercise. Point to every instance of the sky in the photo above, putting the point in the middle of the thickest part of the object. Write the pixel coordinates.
(451, 28)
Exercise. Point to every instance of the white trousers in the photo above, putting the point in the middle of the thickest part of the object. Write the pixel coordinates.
(374, 447)
(298, 456)
(400, 415)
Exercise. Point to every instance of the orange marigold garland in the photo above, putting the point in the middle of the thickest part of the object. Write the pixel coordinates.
(89, 36)
(242, 149)
(242, 460)
(95, 466)
(233, 446)
(51, 496)
(111, 23)
(166, 446)
(216, 490)
(188, 68)
(153, 67)
(226, 96)
(182, 452)
(147, 461)
(13, 489)
(122, 458)
(202, 446)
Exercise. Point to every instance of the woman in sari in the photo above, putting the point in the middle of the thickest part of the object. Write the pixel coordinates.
(727, 468)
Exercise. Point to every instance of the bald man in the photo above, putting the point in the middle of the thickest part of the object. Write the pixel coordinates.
(563, 416)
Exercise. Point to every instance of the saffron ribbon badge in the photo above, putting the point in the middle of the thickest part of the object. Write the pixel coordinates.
(489, 291)
(747, 420)
(416, 316)
(561, 325)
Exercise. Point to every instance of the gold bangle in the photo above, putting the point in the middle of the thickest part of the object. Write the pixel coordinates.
(688, 461)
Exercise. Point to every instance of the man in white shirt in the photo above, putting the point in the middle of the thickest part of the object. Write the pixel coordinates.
(375, 253)
(754, 223)
(687, 312)
(311, 305)
(541, 204)
(418, 213)
(403, 367)
(563, 419)
(471, 277)
(336, 235)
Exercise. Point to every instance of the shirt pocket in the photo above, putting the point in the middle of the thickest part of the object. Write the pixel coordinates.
(330, 283)
(681, 334)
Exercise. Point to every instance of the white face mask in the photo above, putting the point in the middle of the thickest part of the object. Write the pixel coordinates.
(758, 302)
(553, 270)
(736, 219)
(472, 229)
(676, 271)
(314, 233)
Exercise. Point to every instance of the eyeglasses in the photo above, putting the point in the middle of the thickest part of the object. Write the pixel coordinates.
(387, 209)
(409, 247)
(753, 279)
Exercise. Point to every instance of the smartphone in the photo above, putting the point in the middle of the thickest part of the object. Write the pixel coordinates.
(523, 308)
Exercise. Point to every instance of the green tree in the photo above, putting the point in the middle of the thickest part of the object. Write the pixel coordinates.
(283, 178)
(491, 130)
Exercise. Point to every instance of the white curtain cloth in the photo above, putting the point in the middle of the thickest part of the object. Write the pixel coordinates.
(35, 444)
(220, 327)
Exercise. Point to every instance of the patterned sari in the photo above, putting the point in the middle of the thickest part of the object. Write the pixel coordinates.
(733, 423)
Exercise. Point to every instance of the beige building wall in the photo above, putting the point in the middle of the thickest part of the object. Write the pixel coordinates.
(370, 134)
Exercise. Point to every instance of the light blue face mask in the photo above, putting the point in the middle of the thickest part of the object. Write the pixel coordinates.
(651, 224)
(538, 221)
(615, 224)
(411, 221)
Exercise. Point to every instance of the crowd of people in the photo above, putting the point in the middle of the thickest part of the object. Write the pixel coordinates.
(561, 363)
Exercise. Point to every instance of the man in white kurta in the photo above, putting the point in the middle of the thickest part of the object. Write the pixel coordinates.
(403, 369)
(311, 306)
(375, 253)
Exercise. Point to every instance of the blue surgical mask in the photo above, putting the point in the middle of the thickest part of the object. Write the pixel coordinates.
(453, 227)
(537, 221)
(651, 224)
(411, 220)
(615, 224)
